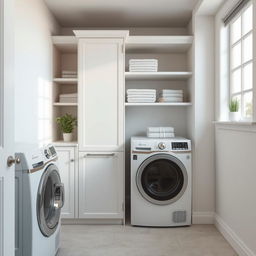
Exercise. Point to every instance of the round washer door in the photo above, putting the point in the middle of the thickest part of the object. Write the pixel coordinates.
(162, 179)
(50, 200)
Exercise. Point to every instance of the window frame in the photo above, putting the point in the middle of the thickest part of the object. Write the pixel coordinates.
(242, 65)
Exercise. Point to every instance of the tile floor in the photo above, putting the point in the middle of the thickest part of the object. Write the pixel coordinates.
(97, 240)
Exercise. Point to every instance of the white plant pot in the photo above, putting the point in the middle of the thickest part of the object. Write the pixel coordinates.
(234, 116)
(67, 137)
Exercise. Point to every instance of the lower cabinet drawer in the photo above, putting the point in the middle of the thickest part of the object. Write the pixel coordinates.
(101, 185)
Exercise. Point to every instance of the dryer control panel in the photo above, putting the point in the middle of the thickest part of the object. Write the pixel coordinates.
(144, 144)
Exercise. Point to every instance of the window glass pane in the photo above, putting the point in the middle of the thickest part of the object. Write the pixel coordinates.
(236, 56)
(247, 108)
(236, 30)
(247, 77)
(247, 48)
(236, 81)
(247, 20)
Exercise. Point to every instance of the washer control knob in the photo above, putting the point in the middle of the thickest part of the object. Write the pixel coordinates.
(161, 146)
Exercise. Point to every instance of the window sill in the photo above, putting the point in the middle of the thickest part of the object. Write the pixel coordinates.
(238, 123)
(241, 126)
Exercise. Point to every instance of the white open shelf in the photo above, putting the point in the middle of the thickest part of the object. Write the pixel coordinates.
(159, 104)
(158, 44)
(64, 104)
(67, 44)
(157, 75)
(65, 80)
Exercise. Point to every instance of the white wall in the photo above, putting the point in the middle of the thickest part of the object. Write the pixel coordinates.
(34, 26)
(235, 159)
(235, 186)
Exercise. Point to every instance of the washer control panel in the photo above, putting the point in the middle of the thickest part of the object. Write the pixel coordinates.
(49, 152)
(180, 146)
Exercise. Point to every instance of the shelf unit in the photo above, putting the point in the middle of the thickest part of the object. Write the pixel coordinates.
(65, 52)
(174, 72)
(157, 75)
(158, 44)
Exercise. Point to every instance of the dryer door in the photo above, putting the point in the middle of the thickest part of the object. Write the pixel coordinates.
(50, 199)
(162, 179)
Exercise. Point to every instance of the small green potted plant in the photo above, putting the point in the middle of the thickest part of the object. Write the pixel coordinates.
(234, 110)
(67, 123)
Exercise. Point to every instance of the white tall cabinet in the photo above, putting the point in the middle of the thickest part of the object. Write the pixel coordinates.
(101, 65)
(101, 94)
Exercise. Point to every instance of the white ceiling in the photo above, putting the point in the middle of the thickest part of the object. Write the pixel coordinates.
(122, 13)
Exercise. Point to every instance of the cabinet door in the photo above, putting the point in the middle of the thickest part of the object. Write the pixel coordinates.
(101, 185)
(101, 95)
(66, 164)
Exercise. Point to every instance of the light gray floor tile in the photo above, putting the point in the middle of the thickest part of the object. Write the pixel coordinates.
(114, 240)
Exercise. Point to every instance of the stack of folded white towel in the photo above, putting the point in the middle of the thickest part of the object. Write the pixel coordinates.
(68, 98)
(171, 96)
(141, 95)
(69, 74)
(160, 132)
(143, 65)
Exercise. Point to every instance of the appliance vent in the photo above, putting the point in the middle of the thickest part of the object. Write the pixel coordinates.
(179, 216)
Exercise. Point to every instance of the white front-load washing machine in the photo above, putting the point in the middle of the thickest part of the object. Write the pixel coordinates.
(160, 181)
(39, 199)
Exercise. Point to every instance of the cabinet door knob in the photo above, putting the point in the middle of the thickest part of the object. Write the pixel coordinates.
(72, 160)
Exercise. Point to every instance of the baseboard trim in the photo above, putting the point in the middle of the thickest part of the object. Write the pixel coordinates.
(238, 245)
(203, 217)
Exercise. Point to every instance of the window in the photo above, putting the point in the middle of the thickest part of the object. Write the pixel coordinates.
(241, 61)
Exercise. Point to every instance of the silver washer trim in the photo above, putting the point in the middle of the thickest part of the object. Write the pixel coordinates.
(157, 157)
(46, 231)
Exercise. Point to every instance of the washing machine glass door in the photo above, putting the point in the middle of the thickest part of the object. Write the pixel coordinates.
(162, 179)
(50, 199)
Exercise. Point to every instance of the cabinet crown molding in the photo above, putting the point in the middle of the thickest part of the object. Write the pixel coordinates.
(102, 33)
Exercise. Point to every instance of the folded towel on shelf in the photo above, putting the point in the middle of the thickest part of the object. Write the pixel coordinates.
(142, 69)
(142, 96)
(68, 98)
(170, 94)
(143, 61)
(161, 135)
(69, 95)
(141, 100)
(143, 65)
(167, 91)
(130, 91)
(68, 74)
(160, 129)
(170, 99)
